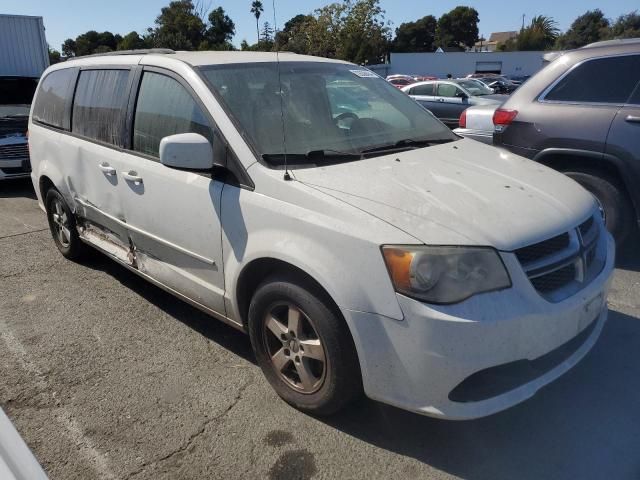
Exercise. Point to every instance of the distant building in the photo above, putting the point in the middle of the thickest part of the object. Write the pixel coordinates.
(495, 39)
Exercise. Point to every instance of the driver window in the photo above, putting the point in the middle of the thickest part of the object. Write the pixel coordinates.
(447, 90)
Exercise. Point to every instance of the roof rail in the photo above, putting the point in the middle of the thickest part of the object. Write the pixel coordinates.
(612, 43)
(141, 51)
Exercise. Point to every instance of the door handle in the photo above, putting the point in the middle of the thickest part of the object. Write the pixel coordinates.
(132, 176)
(632, 119)
(107, 169)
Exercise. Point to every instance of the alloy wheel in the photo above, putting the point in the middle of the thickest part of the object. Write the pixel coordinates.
(60, 223)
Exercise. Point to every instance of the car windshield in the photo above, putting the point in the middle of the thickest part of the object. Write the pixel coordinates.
(16, 94)
(475, 87)
(321, 111)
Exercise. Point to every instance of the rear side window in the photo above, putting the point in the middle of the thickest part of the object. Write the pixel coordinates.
(447, 90)
(53, 97)
(422, 89)
(165, 108)
(100, 104)
(603, 80)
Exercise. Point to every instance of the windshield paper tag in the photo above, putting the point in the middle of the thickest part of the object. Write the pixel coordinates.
(364, 73)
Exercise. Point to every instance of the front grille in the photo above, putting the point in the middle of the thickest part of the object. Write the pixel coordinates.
(540, 250)
(560, 266)
(14, 152)
(554, 280)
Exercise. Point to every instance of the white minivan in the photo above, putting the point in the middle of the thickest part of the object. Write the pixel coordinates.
(360, 243)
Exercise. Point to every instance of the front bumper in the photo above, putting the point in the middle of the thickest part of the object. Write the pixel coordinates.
(416, 363)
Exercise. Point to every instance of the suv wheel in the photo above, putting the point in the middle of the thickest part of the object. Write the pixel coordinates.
(62, 224)
(303, 347)
(613, 199)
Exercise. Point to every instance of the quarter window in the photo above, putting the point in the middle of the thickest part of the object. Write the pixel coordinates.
(100, 104)
(165, 108)
(52, 98)
(603, 80)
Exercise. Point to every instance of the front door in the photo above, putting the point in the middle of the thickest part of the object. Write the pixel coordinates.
(452, 102)
(173, 215)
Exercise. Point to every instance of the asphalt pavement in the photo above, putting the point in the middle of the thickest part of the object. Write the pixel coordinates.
(107, 377)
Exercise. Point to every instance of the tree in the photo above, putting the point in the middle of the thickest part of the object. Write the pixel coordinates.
(90, 42)
(364, 37)
(132, 41)
(541, 34)
(458, 28)
(267, 32)
(179, 26)
(626, 26)
(590, 27)
(54, 56)
(418, 36)
(257, 9)
(221, 30)
(69, 47)
(284, 36)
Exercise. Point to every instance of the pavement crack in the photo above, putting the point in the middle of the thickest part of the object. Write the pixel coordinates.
(24, 233)
(194, 436)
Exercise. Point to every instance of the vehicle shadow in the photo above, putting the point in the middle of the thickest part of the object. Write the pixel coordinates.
(207, 326)
(628, 257)
(17, 188)
(585, 425)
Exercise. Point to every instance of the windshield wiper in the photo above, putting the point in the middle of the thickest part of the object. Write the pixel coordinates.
(407, 144)
(312, 157)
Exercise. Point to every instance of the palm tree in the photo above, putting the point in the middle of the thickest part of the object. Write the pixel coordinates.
(546, 26)
(257, 9)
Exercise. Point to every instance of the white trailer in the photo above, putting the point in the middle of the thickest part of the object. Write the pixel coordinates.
(23, 46)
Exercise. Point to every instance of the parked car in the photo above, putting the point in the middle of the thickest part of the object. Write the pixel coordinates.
(518, 79)
(23, 58)
(383, 254)
(477, 123)
(16, 460)
(581, 115)
(16, 94)
(499, 84)
(400, 81)
(447, 99)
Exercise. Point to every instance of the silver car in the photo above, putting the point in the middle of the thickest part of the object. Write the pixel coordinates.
(447, 99)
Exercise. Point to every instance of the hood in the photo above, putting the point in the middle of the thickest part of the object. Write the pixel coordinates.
(459, 193)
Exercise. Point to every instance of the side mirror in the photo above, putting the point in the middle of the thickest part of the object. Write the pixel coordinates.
(190, 151)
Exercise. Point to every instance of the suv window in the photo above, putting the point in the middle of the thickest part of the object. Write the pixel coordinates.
(603, 80)
(52, 98)
(422, 89)
(165, 108)
(447, 90)
(100, 104)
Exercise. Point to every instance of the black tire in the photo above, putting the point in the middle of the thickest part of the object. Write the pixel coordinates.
(613, 199)
(73, 248)
(340, 381)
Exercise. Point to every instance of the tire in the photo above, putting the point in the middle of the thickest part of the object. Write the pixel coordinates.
(613, 199)
(318, 343)
(62, 224)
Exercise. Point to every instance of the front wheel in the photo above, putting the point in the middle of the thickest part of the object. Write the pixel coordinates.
(613, 200)
(302, 346)
(62, 224)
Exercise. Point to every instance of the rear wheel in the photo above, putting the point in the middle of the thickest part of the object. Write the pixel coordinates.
(612, 197)
(303, 347)
(62, 224)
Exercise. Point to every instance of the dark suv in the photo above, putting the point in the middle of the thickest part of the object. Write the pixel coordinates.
(581, 115)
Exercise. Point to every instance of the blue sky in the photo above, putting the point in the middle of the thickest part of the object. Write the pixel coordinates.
(68, 18)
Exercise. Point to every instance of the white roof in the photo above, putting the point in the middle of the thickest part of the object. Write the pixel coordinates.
(192, 58)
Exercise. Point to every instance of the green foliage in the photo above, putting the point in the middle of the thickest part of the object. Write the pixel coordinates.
(458, 28)
(54, 56)
(626, 26)
(220, 32)
(132, 41)
(178, 27)
(541, 34)
(89, 43)
(418, 36)
(589, 27)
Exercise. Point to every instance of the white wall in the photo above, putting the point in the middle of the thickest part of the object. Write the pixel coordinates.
(459, 64)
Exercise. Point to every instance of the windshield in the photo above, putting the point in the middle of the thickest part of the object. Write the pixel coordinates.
(16, 94)
(475, 87)
(330, 110)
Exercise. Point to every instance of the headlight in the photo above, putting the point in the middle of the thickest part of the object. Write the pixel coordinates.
(445, 274)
